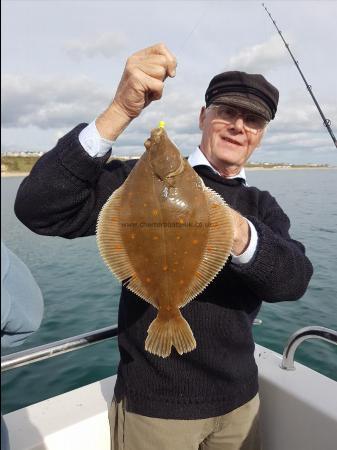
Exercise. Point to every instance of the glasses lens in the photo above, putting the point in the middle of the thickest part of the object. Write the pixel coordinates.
(252, 122)
(226, 113)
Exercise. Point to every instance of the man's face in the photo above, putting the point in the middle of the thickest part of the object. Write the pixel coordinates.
(227, 146)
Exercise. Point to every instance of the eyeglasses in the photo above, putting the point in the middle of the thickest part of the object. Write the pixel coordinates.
(251, 122)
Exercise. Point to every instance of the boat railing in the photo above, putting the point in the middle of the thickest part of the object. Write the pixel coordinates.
(312, 332)
(46, 351)
(29, 356)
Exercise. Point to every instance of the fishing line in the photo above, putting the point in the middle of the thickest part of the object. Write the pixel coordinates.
(202, 16)
(178, 54)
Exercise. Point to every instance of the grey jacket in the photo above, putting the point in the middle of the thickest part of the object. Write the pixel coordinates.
(21, 308)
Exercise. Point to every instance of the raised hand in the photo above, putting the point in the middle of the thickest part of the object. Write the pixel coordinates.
(141, 83)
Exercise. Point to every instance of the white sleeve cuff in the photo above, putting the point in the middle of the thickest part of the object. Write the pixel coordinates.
(92, 142)
(248, 254)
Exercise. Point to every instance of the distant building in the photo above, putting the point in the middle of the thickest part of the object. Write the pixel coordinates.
(22, 154)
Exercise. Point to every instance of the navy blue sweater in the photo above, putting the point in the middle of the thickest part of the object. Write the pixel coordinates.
(63, 196)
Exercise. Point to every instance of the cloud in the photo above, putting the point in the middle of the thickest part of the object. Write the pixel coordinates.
(260, 57)
(105, 44)
(179, 110)
(56, 105)
(50, 102)
(302, 117)
(296, 139)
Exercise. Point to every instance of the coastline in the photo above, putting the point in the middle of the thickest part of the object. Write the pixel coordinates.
(14, 174)
(264, 169)
(267, 169)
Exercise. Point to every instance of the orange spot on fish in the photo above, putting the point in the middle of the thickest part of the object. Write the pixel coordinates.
(181, 282)
(178, 238)
(148, 280)
(118, 247)
(181, 221)
(198, 274)
(133, 235)
(155, 212)
(155, 238)
(145, 204)
(175, 263)
(165, 268)
(168, 308)
(195, 241)
(209, 248)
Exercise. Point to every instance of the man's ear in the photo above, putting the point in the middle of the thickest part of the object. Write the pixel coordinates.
(261, 137)
(202, 117)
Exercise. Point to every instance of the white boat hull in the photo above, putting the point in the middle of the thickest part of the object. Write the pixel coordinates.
(298, 411)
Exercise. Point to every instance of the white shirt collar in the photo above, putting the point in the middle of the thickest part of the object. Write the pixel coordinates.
(197, 158)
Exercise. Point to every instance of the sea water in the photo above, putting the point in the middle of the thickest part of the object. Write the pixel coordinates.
(81, 295)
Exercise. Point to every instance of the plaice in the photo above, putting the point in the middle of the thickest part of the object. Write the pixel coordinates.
(166, 236)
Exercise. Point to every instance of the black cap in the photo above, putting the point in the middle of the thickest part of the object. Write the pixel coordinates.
(249, 91)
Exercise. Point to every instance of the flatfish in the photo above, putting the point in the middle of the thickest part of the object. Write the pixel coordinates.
(165, 236)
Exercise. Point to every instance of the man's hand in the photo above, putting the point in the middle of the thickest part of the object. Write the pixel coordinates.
(143, 79)
(141, 83)
(241, 233)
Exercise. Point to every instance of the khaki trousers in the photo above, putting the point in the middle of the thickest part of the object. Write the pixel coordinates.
(237, 430)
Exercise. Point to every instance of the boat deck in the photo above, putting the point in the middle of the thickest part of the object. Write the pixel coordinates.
(298, 411)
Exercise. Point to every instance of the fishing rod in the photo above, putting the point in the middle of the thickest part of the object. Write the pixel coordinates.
(326, 121)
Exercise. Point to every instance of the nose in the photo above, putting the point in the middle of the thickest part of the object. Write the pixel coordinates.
(238, 124)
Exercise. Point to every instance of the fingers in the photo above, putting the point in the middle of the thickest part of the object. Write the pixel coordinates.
(143, 79)
(154, 67)
(160, 55)
(155, 91)
(153, 88)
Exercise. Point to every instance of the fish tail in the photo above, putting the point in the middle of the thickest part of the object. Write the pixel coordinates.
(182, 335)
(169, 329)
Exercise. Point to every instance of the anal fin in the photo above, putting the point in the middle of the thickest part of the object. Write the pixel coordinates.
(110, 244)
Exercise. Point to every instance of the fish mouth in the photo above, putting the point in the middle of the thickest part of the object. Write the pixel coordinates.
(155, 138)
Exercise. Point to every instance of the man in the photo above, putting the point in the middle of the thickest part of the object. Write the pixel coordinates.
(207, 398)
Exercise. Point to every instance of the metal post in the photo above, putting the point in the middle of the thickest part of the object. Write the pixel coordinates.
(301, 335)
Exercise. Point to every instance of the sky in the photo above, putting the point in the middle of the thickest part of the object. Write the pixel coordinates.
(62, 61)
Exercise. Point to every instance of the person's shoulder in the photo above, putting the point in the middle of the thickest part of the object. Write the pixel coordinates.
(130, 163)
(21, 300)
(257, 191)
(125, 165)
(254, 190)
(263, 197)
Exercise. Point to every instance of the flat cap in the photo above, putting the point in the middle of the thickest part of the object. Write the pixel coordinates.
(249, 91)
